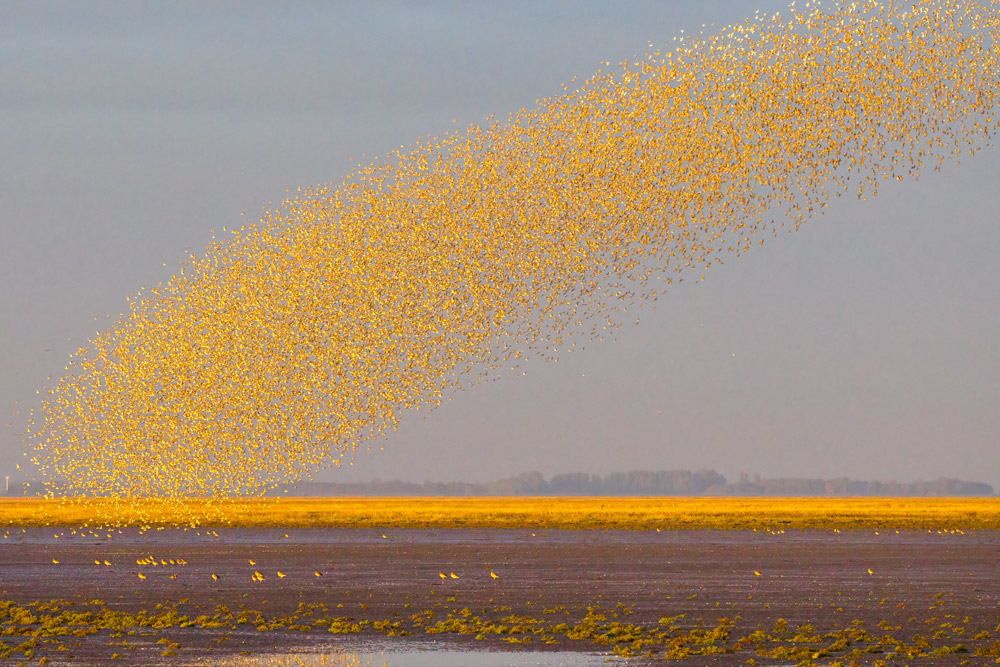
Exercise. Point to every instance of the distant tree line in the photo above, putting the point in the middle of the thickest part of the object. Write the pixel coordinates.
(843, 486)
(633, 483)
(647, 483)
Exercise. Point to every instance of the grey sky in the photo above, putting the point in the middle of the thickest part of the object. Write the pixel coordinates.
(862, 345)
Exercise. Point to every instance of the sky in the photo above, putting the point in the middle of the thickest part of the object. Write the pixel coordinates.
(862, 345)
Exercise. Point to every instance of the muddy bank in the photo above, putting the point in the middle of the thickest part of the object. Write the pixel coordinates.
(905, 586)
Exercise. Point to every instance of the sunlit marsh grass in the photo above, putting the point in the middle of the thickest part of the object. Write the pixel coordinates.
(574, 513)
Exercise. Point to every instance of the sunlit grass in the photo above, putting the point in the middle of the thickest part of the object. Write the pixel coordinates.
(542, 513)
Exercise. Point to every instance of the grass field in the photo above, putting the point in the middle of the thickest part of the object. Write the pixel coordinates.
(541, 513)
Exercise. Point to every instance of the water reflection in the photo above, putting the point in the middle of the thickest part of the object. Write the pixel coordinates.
(302, 660)
(414, 658)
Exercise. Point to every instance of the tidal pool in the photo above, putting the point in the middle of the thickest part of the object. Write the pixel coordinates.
(401, 655)
(430, 597)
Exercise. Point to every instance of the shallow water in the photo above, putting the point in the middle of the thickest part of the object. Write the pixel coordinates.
(423, 656)
(823, 578)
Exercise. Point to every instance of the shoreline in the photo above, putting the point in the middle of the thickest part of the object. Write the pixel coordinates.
(713, 597)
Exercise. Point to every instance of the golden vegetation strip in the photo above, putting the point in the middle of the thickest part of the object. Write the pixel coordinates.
(593, 513)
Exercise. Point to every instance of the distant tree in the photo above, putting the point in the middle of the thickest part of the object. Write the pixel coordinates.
(792, 486)
(744, 488)
(571, 484)
(703, 481)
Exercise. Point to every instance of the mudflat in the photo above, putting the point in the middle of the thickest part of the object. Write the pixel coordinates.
(717, 597)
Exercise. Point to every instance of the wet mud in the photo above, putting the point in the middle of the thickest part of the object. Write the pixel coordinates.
(943, 587)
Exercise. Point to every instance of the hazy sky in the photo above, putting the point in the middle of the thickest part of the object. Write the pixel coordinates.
(863, 345)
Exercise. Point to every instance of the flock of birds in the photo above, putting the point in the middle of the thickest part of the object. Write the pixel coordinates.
(289, 342)
(257, 576)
